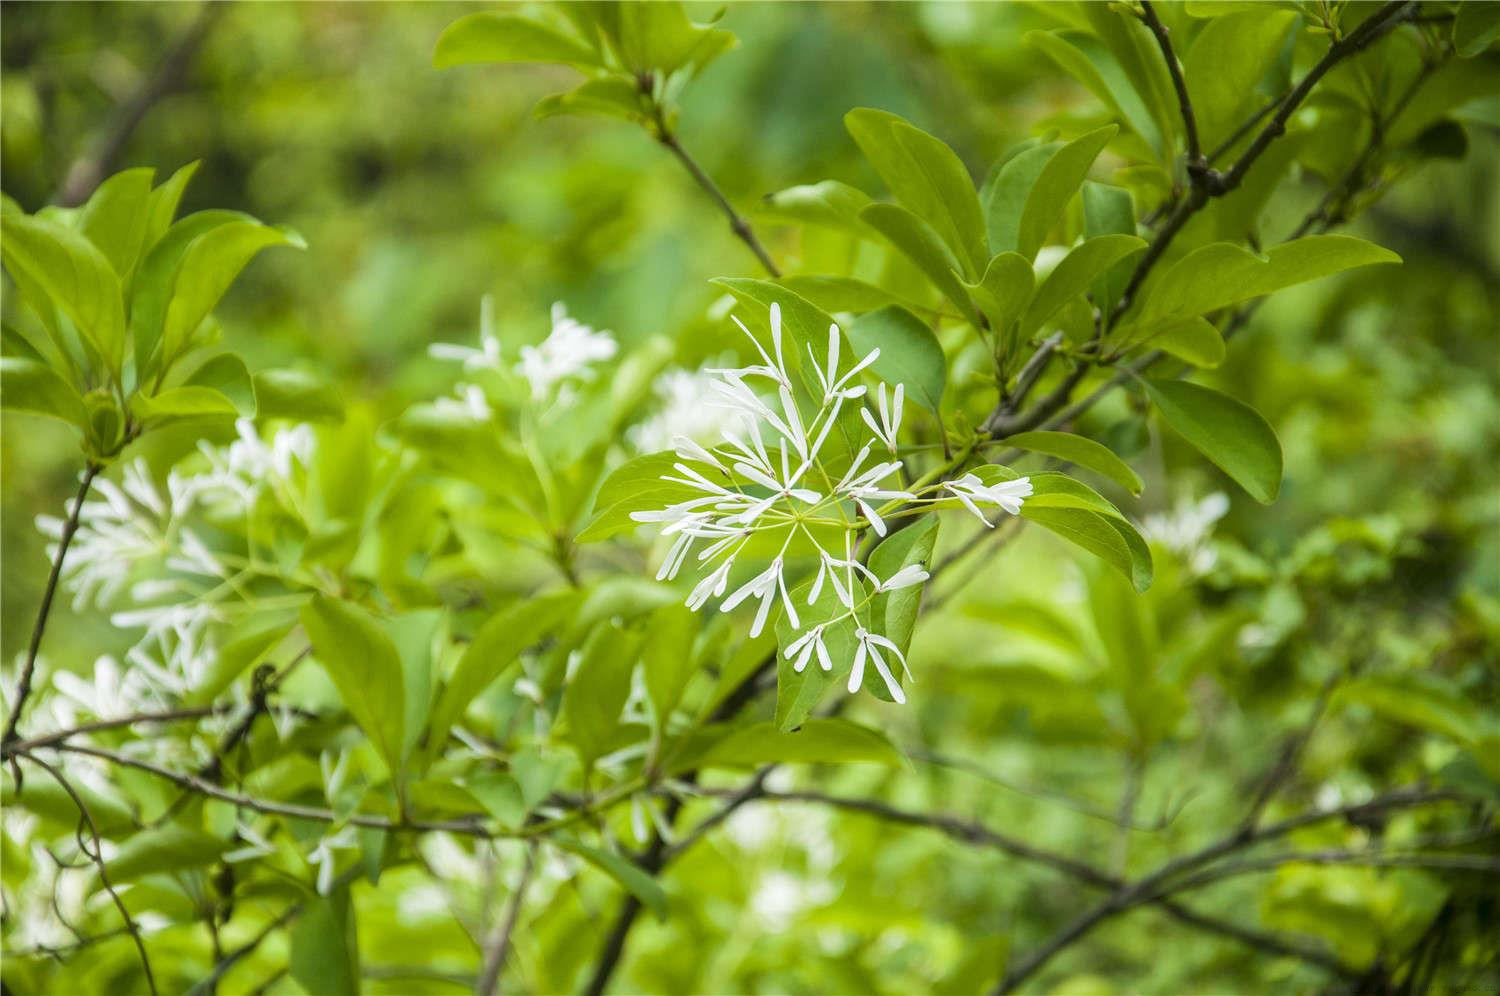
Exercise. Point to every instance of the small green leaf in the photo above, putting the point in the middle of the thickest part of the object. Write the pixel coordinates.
(835, 294)
(293, 394)
(507, 38)
(1082, 451)
(366, 669)
(909, 352)
(631, 878)
(30, 386)
(227, 374)
(1005, 193)
(117, 219)
(183, 403)
(597, 690)
(637, 485)
(166, 848)
(1055, 186)
(414, 634)
(1108, 211)
(828, 204)
(819, 741)
(1082, 268)
(799, 692)
(606, 97)
(1003, 292)
(208, 267)
(1229, 432)
(667, 657)
(916, 240)
(325, 946)
(895, 612)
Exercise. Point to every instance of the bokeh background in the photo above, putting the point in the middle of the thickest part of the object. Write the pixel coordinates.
(418, 191)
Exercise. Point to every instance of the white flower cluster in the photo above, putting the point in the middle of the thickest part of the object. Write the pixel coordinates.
(568, 353)
(773, 476)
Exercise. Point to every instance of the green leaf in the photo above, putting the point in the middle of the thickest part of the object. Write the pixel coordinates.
(909, 352)
(928, 177)
(606, 97)
(227, 374)
(164, 202)
(1082, 451)
(73, 274)
(1055, 186)
(151, 291)
(494, 650)
(208, 267)
(1083, 267)
(413, 634)
(31, 386)
(636, 485)
(1003, 292)
(183, 403)
(1108, 211)
(233, 658)
(667, 658)
(1416, 699)
(365, 668)
(660, 37)
(295, 395)
(1092, 65)
(597, 690)
(325, 946)
(1104, 536)
(1005, 193)
(846, 294)
(117, 218)
(46, 798)
(916, 240)
(1475, 27)
(1221, 274)
(1230, 433)
(630, 877)
(895, 612)
(819, 741)
(1227, 60)
(507, 38)
(166, 848)
(827, 204)
(1194, 340)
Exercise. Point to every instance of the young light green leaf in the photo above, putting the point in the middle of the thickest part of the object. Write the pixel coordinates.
(183, 402)
(413, 634)
(896, 611)
(31, 386)
(916, 240)
(1080, 450)
(667, 657)
(151, 291)
(634, 486)
(227, 374)
(597, 690)
(117, 219)
(208, 267)
(1003, 292)
(293, 394)
(1223, 66)
(799, 692)
(1194, 340)
(1005, 193)
(828, 204)
(1108, 210)
(909, 352)
(507, 38)
(325, 946)
(835, 294)
(365, 668)
(1055, 186)
(164, 202)
(1104, 536)
(606, 97)
(1080, 269)
(1230, 433)
(631, 878)
(494, 650)
(74, 275)
(819, 741)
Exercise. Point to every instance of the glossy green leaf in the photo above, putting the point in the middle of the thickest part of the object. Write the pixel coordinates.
(184, 402)
(818, 741)
(1055, 186)
(488, 37)
(1230, 433)
(1079, 450)
(1005, 290)
(607, 97)
(799, 692)
(637, 485)
(1079, 270)
(365, 667)
(117, 219)
(227, 374)
(414, 635)
(30, 386)
(1108, 210)
(916, 240)
(828, 204)
(151, 292)
(1224, 64)
(1005, 193)
(1194, 340)
(208, 267)
(909, 353)
(896, 611)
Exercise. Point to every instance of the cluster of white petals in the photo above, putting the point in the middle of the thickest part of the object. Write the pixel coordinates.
(773, 477)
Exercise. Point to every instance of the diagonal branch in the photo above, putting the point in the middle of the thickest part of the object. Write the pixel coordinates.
(1195, 163)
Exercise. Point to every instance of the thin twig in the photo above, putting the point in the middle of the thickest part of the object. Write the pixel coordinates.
(1195, 163)
(58, 736)
(1291, 753)
(498, 944)
(28, 669)
(97, 856)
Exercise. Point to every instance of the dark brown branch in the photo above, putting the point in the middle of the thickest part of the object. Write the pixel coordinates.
(57, 737)
(28, 669)
(1195, 163)
(89, 170)
(97, 857)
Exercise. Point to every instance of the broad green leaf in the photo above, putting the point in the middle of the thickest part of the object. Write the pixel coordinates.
(234, 657)
(117, 219)
(1194, 340)
(1475, 27)
(1134, 67)
(637, 485)
(293, 394)
(835, 294)
(365, 668)
(152, 289)
(1079, 450)
(507, 38)
(916, 240)
(1417, 699)
(183, 402)
(1092, 65)
(597, 690)
(799, 692)
(607, 97)
(43, 796)
(1229, 432)
(667, 657)
(1005, 193)
(1224, 64)
(413, 635)
(1222, 274)
(74, 275)
(495, 648)
(909, 352)
(660, 37)
(1082, 268)
(164, 202)
(896, 611)
(227, 374)
(1106, 537)
(166, 848)
(828, 204)
(208, 267)
(1003, 292)
(324, 957)
(30, 386)
(631, 878)
(1055, 186)
(819, 741)
(1108, 210)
